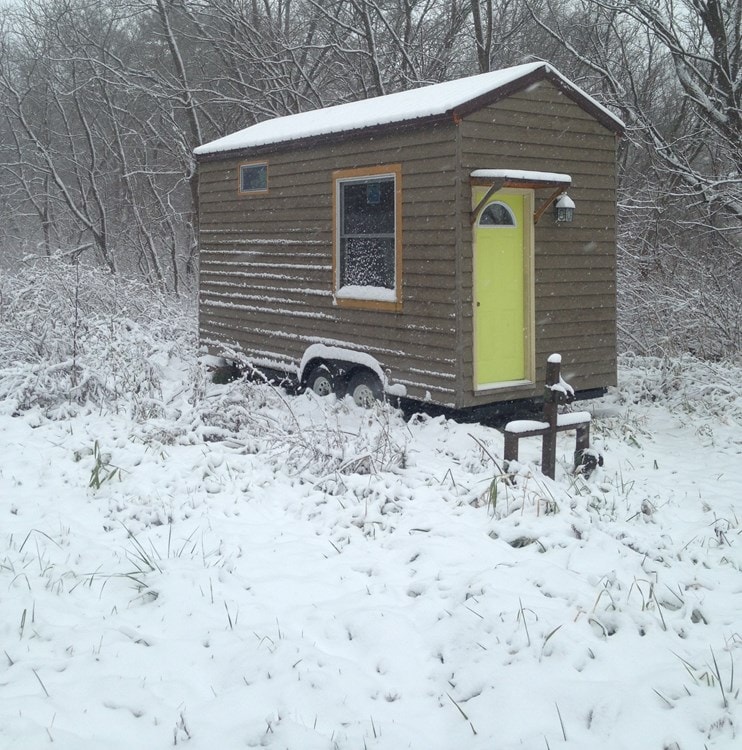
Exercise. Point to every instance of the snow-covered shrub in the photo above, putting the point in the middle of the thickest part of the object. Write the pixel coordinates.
(71, 334)
(685, 384)
(679, 287)
(307, 435)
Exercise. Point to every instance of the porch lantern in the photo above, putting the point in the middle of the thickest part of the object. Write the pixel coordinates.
(564, 209)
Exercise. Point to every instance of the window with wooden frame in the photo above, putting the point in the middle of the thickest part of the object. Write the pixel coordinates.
(253, 178)
(367, 255)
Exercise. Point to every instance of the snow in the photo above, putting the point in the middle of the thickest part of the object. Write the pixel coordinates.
(323, 351)
(573, 418)
(366, 293)
(428, 101)
(257, 308)
(260, 241)
(555, 358)
(564, 420)
(396, 389)
(519, 426)
(201, 565)
(522, 174)
(562, 387)
(564, 201)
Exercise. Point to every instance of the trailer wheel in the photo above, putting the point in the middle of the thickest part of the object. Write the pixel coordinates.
(321, 381)
(365, 388)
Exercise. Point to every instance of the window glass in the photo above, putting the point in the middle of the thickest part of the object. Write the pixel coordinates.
(367, 233)
(497, 215)
(253, 178)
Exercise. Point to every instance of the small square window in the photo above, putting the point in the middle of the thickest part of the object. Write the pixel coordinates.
(254, 178)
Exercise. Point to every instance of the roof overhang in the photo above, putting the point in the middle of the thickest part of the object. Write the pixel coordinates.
(450, 101)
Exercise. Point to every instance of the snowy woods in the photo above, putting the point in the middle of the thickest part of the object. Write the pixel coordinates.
(224, 565)
(103, 102)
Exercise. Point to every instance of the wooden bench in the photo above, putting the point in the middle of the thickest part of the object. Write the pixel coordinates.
(556, 392)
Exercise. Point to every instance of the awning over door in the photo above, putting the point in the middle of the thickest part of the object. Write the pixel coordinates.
(495, 179)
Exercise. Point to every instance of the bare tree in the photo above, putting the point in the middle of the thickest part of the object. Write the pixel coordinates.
(502, 32)
(103, 101)
(60, 148)
(672, 69)
(686, 54)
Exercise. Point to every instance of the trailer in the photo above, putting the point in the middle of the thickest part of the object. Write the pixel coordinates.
(436, 244)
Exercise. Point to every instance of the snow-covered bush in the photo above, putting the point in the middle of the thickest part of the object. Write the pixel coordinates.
(305, 435)
(71, 334)
(679, 289)
(686, 384)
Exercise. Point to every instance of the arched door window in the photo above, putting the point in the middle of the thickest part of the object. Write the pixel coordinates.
(497, 214)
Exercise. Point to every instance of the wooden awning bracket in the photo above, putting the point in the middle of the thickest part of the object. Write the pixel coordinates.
(552, 197)
(494, 187)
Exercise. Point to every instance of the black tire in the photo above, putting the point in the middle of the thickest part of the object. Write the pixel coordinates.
(321, 381)
(364, 388)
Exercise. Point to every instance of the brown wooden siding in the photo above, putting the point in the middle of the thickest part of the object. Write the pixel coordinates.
(575, 264)
(266, 260)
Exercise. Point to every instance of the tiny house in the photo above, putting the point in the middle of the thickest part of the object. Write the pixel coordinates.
(435, 244)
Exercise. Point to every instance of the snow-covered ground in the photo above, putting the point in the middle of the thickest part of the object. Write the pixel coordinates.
(226, 566)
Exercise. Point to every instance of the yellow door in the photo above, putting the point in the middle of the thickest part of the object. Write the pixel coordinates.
(500, 294)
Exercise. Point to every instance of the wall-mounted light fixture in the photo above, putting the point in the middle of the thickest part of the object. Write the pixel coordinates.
(564, 209)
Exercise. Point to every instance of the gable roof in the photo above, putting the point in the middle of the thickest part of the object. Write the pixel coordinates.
(428, 103)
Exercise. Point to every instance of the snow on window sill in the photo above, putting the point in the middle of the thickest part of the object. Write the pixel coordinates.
(366, 293)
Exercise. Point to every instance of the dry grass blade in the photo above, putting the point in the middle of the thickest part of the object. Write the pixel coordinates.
(43, 687)
(561, 723)
(522, 617)
(717, 674)
(666, 700)
(549, 636)
(461, 711)
(36, 531)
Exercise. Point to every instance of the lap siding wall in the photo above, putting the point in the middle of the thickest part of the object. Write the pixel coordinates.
(266, 260)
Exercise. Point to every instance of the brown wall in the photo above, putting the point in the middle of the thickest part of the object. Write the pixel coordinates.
(266, 259)
(575, 264)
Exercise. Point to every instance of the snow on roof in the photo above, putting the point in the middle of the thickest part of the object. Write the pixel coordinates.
(522, 175)
(428, 101)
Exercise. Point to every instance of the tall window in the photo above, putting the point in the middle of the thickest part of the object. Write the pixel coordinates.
(368, 263)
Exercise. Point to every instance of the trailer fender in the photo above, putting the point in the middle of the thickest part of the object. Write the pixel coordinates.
(338, 358)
